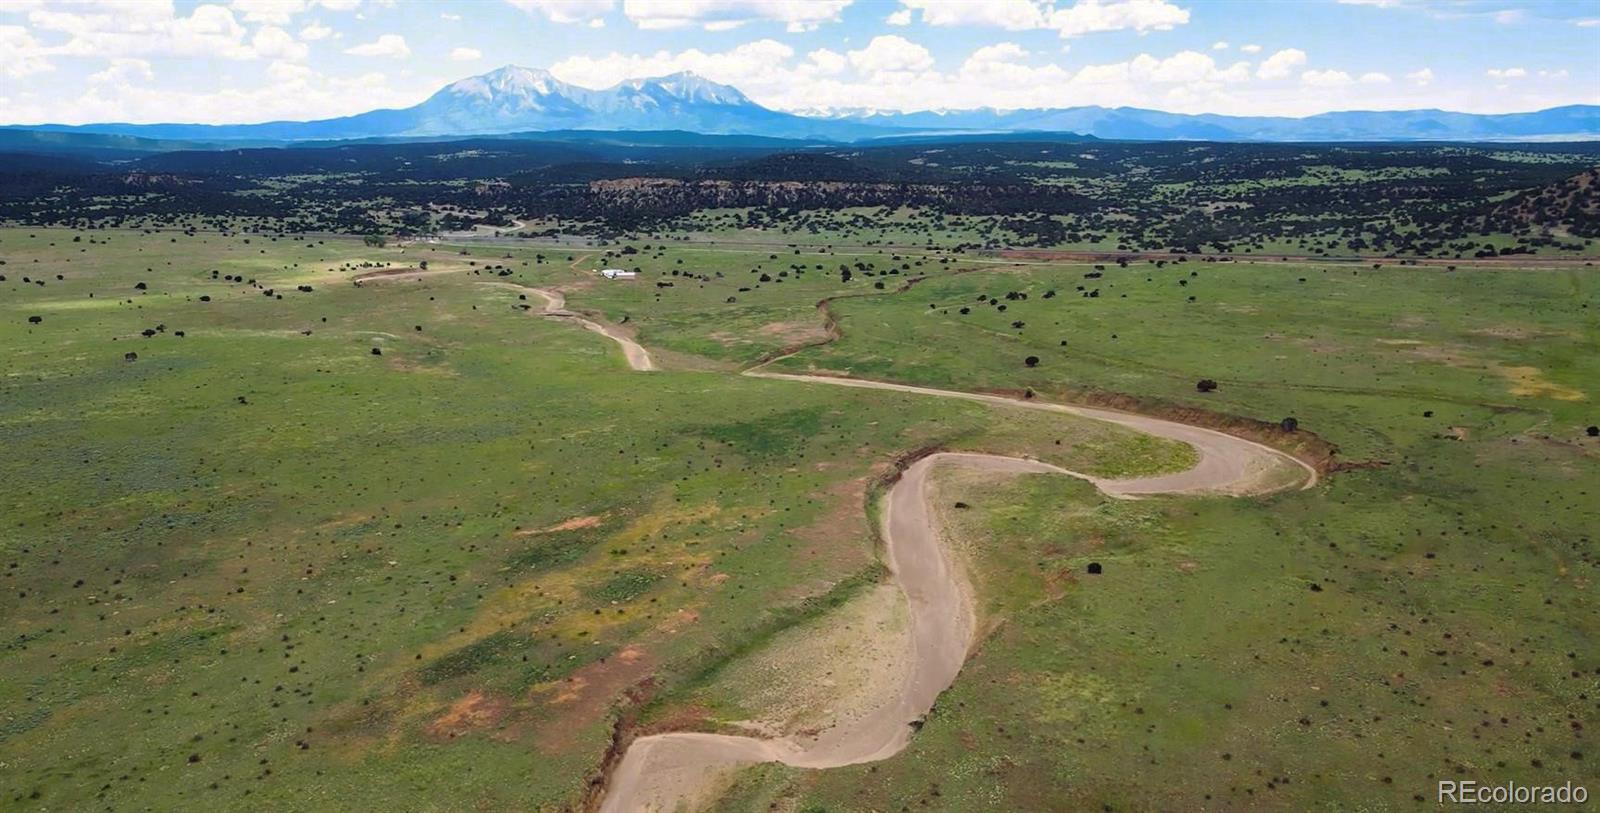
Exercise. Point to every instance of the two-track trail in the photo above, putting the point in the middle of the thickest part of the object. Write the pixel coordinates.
(659, 772)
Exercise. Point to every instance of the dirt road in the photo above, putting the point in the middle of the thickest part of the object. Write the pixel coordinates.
(663, 771)
(1227, 465)
(555, 306)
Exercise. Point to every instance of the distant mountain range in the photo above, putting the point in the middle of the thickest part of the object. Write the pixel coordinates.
(516, 100)
(1573, 122)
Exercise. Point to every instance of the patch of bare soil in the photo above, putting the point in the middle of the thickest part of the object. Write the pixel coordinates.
(827, 673)
(474, 711)
(583, 698)
(573, 524)
(398, 274)
(841, 534)
(794, 333)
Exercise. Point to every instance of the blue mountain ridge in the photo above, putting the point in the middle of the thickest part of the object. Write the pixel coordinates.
(514, 99)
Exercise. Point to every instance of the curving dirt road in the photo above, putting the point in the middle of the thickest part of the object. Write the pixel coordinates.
(663, 771)
(1227, 464)
(555, 306)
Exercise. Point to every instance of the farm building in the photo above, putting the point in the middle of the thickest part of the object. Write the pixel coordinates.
(617, 273)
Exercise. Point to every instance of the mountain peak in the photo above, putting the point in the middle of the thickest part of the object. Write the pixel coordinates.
(687, 86)
(508, 80)
(514, 71)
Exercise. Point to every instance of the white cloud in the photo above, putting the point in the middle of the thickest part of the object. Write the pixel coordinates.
(1219, 45)
(1090, 16)
(1012, 15)
(796, 15)
(900, 73)
(1556, 74)
(1326, 79)
(1184, 67)
(276, 12)
(566, 11)
(1281, 64)
(752, 65)
(1252, 48)
(20, 54)
(289, 71)
(272, 42)
(294, 92)
(1375, 3)
(1506, 73)
(339, 5)
(124, 70)
(111, 29)
(1509, 16)
(891, 53)
(828, 63)
(387, 45)
(1590, 22)
(998, 52)
(465, 54)
(445, 15)
(314, 32)
(1082, 17)
(999, 67)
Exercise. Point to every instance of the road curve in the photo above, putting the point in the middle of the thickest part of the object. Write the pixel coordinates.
(662, 771)
(555, 306)
(1227, 464)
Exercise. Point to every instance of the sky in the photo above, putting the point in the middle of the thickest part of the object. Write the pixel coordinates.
(238, 61)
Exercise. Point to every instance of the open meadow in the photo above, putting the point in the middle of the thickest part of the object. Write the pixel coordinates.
(310, 521)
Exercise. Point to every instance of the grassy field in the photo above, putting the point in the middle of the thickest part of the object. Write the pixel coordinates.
(1426, 615)
(250, 563)
(259, 566)
(1429, 615)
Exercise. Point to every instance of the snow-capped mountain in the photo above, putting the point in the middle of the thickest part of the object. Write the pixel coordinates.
(514, 99)
(506, 100)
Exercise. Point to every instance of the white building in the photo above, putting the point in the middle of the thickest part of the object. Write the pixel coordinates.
(617, 273)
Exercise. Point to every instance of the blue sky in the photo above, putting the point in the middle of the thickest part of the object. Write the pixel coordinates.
(78, 61)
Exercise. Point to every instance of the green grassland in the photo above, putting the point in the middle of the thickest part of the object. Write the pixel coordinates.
(1428, 615)
(259, 566)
